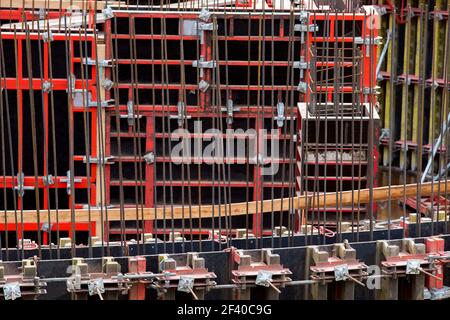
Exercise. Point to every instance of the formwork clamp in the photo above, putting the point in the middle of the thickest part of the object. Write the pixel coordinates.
(202, 64)
(253, 269)
(25, 284)
(103, 104)
(230, 109)
(409, 259)
(306, 28)
(20, 187)
(47, 36)
(280, 117)
(99, 160)
(368, 41)
(47, 86)
(204, 15)
(339, 265)
(68, 181)
(302, 64)
(302, 87)
(99, 63)
(108, 13)
(186, 273)
(130, 116)
(181, 115)
(106, 279)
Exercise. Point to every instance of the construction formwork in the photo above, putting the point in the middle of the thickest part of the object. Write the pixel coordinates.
(413, 80)
(94, 106)
(128, 86)
(40, 111)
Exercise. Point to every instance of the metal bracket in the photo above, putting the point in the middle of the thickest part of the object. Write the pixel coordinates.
(107, 84)
(96, 287)
(82, 97)
(230, 109)
(280, 114)
(47, 36)
(103, 104)
(205, 26)
(434, 85)
(368, 41)
(186, 284)
(385, 133)
(196, 28)
(204, 64)
(203, 86)
(204, 15)
(413, 266)
(341, 272)
(46, 227)
(100, 161)
(74, 90)
(87, 206)
(149, 158)
(130, 114)
(47, 86)
(100, 63)
(48, 180)
(67, 180)
(374, 90)
(263, 278)
(306, 28)
(11, 291)
(40, 12)
(304, 17)
(181, 114)
(302, 87)
(108, 12)
(20, 185)
(303, 65)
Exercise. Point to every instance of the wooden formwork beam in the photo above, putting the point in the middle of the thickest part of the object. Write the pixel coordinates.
(437, 73)
(407, 94)
(389, 101)
(345, 198)
(417, 88)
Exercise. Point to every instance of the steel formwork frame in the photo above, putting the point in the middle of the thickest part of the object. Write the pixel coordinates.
(205, 50)
(337, 36)
(17, 85)
(204, 110)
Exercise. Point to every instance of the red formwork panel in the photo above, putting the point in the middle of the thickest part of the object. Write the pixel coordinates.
(134, 41)
(133, 30)
(60, 228)
(17, 86)
(142, 31)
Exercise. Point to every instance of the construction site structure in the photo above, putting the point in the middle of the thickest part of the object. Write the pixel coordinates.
(228, 149)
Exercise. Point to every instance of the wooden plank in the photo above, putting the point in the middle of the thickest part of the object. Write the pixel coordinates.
(387, 102)
(101, 140)
(238, 209)
(416, 102)
(407, 94)
(434, 128)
